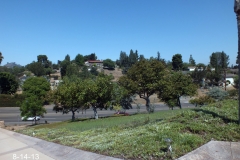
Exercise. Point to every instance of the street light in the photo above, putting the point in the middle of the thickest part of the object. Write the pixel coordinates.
(237, 11)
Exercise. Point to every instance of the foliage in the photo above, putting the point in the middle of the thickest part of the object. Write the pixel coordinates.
(36, 68)
(1, 57)
(142, 136)
(192, 61)
(8, 83)
(94, 71)
(173, 86)
(32, 107)
(142, 78)
(233, 94)
(64, 64)
(7, 100)
(202, 100)
(236, 82)
(219, 60)
(72, 69)
(108, 63)
(177, 62)
(79, 60)
(91, 56)
(85, 74)
(217, 93)
(37, 86)
(198, 76)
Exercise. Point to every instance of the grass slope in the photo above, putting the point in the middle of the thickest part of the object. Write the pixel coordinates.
(143, 136)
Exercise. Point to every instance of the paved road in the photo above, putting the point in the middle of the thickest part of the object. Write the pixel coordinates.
(11, 115)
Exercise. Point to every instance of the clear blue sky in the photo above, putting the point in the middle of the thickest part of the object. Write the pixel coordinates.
(105, 27)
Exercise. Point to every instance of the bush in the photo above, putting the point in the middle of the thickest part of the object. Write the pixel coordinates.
(10, 100)
(217, 93)
(203, 100)
(233, 94)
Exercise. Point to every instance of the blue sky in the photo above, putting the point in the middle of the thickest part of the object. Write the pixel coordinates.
(105, 27)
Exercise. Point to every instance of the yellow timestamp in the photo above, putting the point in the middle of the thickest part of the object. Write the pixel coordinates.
(25, 157)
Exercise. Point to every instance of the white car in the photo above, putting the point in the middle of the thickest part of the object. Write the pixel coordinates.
(31, 118)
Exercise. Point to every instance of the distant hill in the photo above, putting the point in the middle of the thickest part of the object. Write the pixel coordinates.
(11, 65)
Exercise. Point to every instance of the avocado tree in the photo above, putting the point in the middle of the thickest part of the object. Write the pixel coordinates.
(142, 79)
(174, 85)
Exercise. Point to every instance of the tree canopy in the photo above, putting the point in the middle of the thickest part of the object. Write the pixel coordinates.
(8, 83)
(108, 63)
(219, 60)
(142, 78)
(1, 57)
(177, 62)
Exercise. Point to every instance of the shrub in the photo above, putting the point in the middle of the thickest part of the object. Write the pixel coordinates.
(202, 100)
(10, 100)
(217, 93)
(233, 94)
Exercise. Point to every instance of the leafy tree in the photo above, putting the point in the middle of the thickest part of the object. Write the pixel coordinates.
(173, 86)
(72, 69)
(36, 68)
(79, 60)
(91, 56)
(219, 60)
(142, 78)
(198, 76)
(64, 64)
(214, 77)
(67, 58)
(17, 71)
(141, 57)
(32, 107)
(8, 83)
(94, 71)
(177, 62)
(192, 61)
(36, 86)
(55, 66)
(85, 74)
(236, 82)
(1, 57)
(185, 66)
(133, 58)
(68, 95)
(108, 63)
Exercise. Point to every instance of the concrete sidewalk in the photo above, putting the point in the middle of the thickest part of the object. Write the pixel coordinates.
(18, 146)
(215, 150)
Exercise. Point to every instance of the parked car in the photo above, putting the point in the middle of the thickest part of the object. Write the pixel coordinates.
(31, 118)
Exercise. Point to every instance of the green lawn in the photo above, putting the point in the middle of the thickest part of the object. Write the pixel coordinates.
(142, 136)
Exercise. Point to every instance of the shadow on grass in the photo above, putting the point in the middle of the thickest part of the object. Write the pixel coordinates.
(224, 118)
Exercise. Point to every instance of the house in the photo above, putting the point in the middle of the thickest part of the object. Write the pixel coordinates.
(191, 68)
(91, 63)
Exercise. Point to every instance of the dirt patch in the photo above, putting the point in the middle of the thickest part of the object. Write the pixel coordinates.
(117, 73)
(15, 128)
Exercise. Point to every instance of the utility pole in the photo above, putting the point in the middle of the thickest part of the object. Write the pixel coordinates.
(237, 11)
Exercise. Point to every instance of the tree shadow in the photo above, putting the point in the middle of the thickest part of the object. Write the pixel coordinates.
(215, 115)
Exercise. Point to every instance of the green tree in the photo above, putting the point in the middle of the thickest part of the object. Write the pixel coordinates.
(79, 60)
(36, 86)
(36, 68)
(219, 60)
(64, 64)
(174, 85)
(142, 78)
(85, 74)
(72, 69)
(192, 61)
(236, 82)
(94, 71)
(108, 63)
(67, 58)
(177, 62)
(8, 83)
(32, 106)
(133, 58)
(1, 57)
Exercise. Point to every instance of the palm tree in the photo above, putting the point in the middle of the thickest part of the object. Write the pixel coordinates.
(1, 57)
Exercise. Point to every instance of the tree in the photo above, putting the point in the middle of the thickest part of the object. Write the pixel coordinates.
(8, 83)
(91, 56)
(142, 78)
(133, 58)
(219, 60)
(79, 60)
(32, 106)
(236, 82)
(174, 85)
(94, 71)
(108, 63)
(72, 69)
(1, 57)
(67, 58)
(64, 64)
(68, 95)
(192, 61)
(36, 86)
(85, 74)
(36, 68)
(177, 62)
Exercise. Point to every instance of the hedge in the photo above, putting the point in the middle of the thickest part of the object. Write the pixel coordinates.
(10, 100)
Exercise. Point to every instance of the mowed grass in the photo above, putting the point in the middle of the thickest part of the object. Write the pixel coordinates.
(143, 136)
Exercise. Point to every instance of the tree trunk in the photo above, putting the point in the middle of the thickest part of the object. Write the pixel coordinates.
(179, 103)
(95, 112)
(73, 115)
(147, 104)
